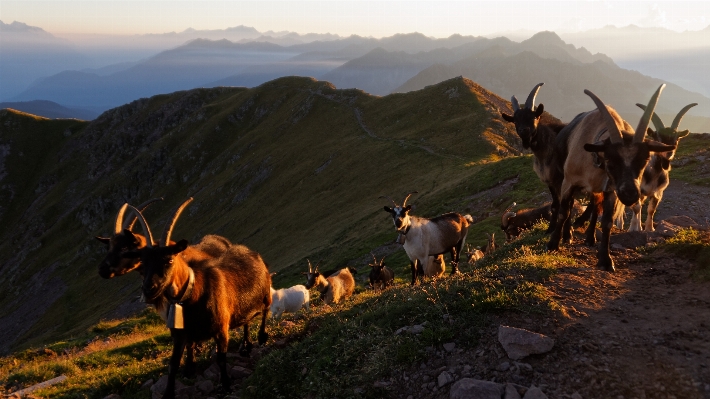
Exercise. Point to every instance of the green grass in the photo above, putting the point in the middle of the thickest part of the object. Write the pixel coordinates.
(693, 245)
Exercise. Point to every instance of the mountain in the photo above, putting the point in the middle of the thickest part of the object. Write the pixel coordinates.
(563, 93)
(50, 109)
(292, 168)
(28, 52)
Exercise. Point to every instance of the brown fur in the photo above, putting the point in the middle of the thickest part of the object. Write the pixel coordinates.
(337, 287)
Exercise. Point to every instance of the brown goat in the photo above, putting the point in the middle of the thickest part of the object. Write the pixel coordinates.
(603, 154)
(207, 298)
(338, 286)
(513, 223)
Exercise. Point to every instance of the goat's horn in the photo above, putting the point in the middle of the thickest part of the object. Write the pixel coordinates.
(142, 207)
(514, 101)
(614, 132)
(310, 266)
(373, 257)
(171, 224)
(407, 197)
(506, 216)
(681, 114)
(510, 207)
(118, 225)
(530, 102)
(643, 123)
(389, 198)
(146, 229)
(657, 122)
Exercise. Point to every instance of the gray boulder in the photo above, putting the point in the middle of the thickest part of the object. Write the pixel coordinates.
(468, 388)
(519, 343)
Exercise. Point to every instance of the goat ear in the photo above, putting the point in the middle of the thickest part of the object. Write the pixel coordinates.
(104, 240)
(651, 133)
(178, 247)
(596, 147)
(129, 234)
(388, 209)
(407, 208)
(539, 110)
(683, 133)
(655, 146)
(507, 117)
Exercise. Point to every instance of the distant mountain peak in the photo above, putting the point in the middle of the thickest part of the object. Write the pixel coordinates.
(545, 37)
(21, 27)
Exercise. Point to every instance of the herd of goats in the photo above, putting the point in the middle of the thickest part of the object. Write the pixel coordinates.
(204, 290)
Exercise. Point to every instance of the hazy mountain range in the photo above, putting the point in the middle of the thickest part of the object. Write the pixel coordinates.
(243, 56)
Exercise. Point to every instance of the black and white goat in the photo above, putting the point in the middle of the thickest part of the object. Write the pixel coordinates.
(380, 275)
(207, 298)
(603, 154)
(656, 176)
(426, 237)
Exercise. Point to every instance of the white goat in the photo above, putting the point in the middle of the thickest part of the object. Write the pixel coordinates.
(289, 300)
(429, 237)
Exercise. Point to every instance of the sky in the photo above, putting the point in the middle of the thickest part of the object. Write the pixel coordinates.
(365, 18)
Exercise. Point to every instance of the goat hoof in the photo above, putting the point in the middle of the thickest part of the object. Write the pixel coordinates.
(606, 265)
(245, 349)
(552, 247)
(590, 243)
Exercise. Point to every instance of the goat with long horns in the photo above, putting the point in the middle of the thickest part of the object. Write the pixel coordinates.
(429, 237)
(208, 298)
(624, 154)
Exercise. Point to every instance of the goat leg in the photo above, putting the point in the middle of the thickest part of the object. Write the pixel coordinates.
(454, 261)
(413, 265)
(651, 210)
(262, 337)
(179, 341)
(562, 217)
(591, 238)
(222, 339)
(635, 224)
(604, 260)
(190, 360)
(554, 210)
(245, 347)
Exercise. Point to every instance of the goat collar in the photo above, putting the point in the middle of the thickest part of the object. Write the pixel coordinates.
(406, 230)
(187, 290)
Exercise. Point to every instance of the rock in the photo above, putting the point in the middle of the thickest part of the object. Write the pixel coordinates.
(147, 384)
(287, 324)
(629, 239)
(445, 378)
(415, 329)
(113, 396)
(240, 372)
(666, 229)
(205, 386)
(503, 366)
(158, 389)
(511, 392)
(468, 388)
(684, 222)
(449, 347)
(617, 247)
(519, 343)
(534, 393)
(576, 395)
(381, 384)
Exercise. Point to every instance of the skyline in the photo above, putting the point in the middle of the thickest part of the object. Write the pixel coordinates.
(364, 18)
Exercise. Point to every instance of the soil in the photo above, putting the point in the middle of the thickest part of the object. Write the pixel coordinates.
(641, 332)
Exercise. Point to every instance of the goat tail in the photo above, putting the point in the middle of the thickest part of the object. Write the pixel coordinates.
(468, 218)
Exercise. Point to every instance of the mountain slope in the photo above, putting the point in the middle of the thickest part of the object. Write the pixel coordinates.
(49, 109)
(292, 168)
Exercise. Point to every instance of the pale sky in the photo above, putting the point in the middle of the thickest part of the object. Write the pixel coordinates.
(365, 18)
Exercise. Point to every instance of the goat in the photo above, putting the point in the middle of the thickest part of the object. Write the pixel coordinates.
(339, 285)
(656, 176)
(616, 170)
(426, 237)
(491, 244)
(289, 300)
(473, 255)
(538, 132)
(380, 274)
(207, 298)
(435, 265)
(513, 223)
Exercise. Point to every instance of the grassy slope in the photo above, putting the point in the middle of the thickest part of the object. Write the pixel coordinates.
(284, 168)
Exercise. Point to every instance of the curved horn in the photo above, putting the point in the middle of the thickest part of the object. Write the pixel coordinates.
(681, 114)
(384, 196)
(643, 123)
(118, 225)
(514, 101)
(373, 257)
(310, 266)
(530, 102)
(169, 227)
(510, 207)
(657, 122)
(614, 132)
(142, 207)
(506, 216)
(407, 197)
(146, 229)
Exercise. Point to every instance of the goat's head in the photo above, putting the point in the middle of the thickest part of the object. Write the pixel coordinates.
(400, 214)
(160, 260)
(123, 240)
(668, 135)
(376, 269)
(313, 275)
(507, 214)
(626, 154)
(526, 118)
